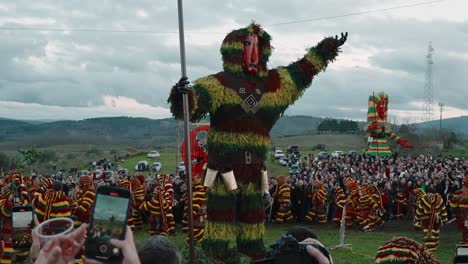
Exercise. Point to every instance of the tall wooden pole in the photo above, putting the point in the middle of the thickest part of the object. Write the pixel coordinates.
(188, 161)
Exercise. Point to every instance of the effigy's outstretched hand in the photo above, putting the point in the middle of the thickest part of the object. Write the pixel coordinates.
(183, 85)
(340, 41)
(404, 143)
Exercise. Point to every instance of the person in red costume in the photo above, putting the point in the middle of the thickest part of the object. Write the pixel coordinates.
(459, 205)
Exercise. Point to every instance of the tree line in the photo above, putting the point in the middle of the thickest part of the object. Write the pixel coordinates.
(331, 125)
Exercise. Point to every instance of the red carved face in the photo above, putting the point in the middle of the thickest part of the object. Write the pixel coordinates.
(250, 55)
(382, 109)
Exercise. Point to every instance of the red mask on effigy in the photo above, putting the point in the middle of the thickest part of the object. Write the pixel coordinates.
(250, 55)
(382, 109)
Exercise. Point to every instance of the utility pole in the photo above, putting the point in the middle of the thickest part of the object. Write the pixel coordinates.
(428, 111)
(441, 106)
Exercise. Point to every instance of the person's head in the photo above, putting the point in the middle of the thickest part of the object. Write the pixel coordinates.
(159, 250)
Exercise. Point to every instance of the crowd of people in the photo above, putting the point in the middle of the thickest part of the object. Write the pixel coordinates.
(364, 191)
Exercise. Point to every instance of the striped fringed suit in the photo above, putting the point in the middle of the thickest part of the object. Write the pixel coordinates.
(404, 250)
(374, 218)
(340, 200)
(459, 204)
(156, 207)
(138, 197)
(352, 207)
(431, 212)
(5, 217)
(83, 206)
(198, 211)
(284, 214)
(243, 107)
(364, 207)
(169, 197)
(318, 211)
(401, 200)
(52, 205)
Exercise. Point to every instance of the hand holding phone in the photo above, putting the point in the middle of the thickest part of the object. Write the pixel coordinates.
(108, 222)
(22, 219)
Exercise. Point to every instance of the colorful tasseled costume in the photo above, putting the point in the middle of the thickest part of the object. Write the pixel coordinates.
(138, 197)
(156, 207)
(318, 211)
(20, 199)
(402, 250)
(284, 214)
(169, 197)
(401, 201)
(198, 210)
(459, 204)
(339, 198)
(364, 207)
(84, 199)
(431, 212)
(52, 204)
(419, 194)
(352, 202)
(376, 208)
(378, 127)
(243, 107)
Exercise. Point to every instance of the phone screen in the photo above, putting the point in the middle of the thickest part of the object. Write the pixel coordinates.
(108, 221)
(22, 226)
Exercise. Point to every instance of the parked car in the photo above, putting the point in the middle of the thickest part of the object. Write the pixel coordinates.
(292, 149)
(156, 166)
(323, 155)
(294, 169)
(123, 172)
(181, 166)
(153, 154)
(278, 154)
(352, 153)
(141, 165)
(283, 161)
(337, 153)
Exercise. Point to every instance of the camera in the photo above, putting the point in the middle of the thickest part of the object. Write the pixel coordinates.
(288, 250)
(462, 255)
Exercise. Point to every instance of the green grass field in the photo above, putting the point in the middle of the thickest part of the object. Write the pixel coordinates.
(364, 245)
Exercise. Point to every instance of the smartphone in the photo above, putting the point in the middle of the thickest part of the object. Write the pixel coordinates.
(108, 220)
(22, 219)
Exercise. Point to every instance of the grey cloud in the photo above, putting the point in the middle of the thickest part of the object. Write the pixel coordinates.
(144, 67)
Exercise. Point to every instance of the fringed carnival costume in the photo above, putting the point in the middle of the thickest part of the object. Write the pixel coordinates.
(198, 209)
(169, 197)
(339, 198)
(284, 214)
(378, 127)
(14, 193)
(402, 250)
(459, 204)
(352, 202)
(431, 212)
(318, 211)
(243, 102)
(85, 195)
(156, 207)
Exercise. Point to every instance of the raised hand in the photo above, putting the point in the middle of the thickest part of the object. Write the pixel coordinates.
(340, 41)
(183, 85)
(404, 143)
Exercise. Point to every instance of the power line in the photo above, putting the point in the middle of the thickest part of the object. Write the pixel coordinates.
(205, 32)
(356, 14)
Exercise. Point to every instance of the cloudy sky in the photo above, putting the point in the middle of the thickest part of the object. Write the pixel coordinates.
(120, 57)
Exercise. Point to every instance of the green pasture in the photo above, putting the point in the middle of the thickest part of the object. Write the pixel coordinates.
(364, 245)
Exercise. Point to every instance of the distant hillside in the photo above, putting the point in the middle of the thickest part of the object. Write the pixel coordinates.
(144, 131)
(456, 124)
